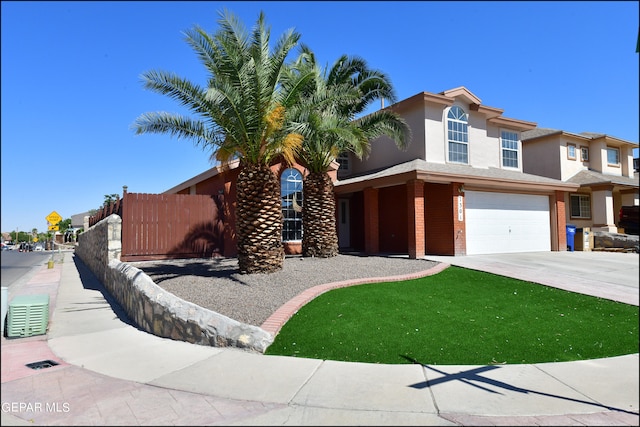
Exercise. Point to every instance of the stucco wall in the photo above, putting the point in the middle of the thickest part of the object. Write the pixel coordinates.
(152, 308)
(435, 131)
(385, 153)
(428, 122)
(483, 147)
(542, 157)
(626, 160)
(571, 166)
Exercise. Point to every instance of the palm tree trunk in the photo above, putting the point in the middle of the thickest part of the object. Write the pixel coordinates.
(259, 220)
(319, 237)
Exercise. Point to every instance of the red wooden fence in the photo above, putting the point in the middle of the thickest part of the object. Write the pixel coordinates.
(164, 226)
(112, 208)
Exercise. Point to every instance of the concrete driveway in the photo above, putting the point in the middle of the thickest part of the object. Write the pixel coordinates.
(610, 275)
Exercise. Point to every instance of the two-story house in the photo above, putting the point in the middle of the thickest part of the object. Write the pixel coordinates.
(600, 164)
(459, 189)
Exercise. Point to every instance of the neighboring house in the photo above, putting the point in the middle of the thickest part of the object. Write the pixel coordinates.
(77, 224)
(459, 189)
(78, 221)
(602, 166)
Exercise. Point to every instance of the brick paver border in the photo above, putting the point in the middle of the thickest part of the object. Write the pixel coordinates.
(275, 322)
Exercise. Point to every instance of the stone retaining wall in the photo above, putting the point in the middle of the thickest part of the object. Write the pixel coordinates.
(606, 240)
(100, 244)
(152, 308)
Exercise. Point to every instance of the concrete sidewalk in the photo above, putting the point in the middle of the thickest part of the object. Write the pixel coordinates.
(111, 373)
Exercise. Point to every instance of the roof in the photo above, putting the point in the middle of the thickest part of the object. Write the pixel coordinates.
(542, 132)
(77, 220)
(446, 173)
(448, 97)
(219, 169)
(593, 134)
(209, 173)
(538, 132)
(588, 177)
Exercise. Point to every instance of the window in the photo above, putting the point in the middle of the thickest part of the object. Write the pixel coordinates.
(457, 135)
(584, 154)
(580, 206)
(509, 149)
(343, 160)
(291, 194)
(571, 152)
(613, 156)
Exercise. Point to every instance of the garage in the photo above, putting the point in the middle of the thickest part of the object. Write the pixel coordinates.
(506, 222)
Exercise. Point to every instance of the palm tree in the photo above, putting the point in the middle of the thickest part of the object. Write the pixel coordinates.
(240, 114)
(328, 119)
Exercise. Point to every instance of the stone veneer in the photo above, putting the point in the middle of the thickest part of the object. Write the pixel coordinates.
(606, 240)
(152, 308)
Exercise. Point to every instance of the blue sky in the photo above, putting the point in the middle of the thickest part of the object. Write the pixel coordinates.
(71, 79)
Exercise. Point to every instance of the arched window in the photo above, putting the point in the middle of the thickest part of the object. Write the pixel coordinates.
(291, 193)
(458, 135)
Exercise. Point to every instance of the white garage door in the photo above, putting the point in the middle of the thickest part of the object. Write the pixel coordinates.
(501, 223)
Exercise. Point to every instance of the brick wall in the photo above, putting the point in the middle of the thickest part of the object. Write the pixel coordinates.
(371, 221)
(439, 215)
(392, 232)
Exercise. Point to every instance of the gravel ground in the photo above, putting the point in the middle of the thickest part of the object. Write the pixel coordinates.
(217, 285)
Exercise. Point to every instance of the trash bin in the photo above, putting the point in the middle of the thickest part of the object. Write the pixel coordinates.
(583, 239)
(571, 233)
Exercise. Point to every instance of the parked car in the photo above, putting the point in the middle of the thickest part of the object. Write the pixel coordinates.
(25, 247)
(629, 219)
(38, 247)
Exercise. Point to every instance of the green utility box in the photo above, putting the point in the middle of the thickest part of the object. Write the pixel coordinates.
(28, 315)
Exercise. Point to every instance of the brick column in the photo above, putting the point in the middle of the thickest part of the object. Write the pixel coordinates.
(415, 220)
(371, 221)
(459, 219)
(561, 221)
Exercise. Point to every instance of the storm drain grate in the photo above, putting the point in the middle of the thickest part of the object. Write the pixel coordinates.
(43, 364)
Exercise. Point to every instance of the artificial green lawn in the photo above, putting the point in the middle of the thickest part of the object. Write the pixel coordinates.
(458, 317)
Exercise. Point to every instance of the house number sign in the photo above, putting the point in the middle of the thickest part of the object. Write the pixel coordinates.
(460, 217)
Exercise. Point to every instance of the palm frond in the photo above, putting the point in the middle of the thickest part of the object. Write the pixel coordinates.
(178, 126)
(329, 101)
(385, 122)
(186, 93)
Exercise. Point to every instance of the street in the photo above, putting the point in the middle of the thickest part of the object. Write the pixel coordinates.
(18, 267)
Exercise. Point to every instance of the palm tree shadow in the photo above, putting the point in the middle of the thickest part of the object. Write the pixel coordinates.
(215, 268)
(472, 377)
